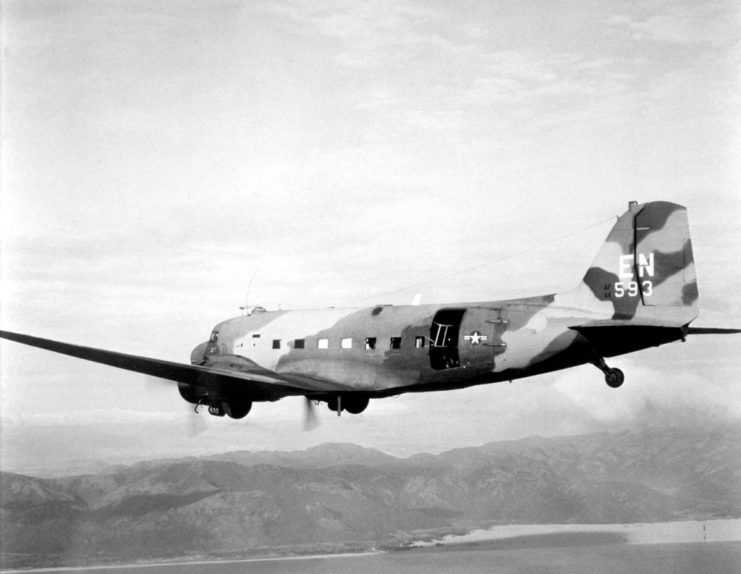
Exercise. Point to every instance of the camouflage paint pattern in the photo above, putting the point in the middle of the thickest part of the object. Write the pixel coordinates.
(640, 291)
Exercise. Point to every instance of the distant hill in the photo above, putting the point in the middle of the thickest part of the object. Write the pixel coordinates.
(344, 496)
(322, 456)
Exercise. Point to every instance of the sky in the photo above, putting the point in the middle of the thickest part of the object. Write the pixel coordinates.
(164, 162)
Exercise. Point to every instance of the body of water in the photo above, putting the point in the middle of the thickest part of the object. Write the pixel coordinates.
(711, 547)
(644, 533)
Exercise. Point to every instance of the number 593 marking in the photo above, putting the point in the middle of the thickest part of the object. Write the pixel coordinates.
(631, 290)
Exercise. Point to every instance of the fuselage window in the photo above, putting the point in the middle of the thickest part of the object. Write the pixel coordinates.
(322, 344)
(396, 342)
(419, 342)
(298, 344)
(346, 343)
(276, 343)
(370, 343)
(256, 335)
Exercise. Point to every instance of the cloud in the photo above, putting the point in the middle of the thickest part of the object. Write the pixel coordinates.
(369, 34)
(694, 23)
(651, 396)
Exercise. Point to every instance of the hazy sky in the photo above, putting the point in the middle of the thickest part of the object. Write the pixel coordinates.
(158, 157)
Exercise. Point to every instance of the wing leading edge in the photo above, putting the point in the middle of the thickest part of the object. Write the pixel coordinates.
(259, 383)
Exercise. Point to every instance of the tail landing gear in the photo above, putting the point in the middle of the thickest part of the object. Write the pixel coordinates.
(613, 377)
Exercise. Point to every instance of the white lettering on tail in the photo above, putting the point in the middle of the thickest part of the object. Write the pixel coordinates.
(625, 266)
(646, 265)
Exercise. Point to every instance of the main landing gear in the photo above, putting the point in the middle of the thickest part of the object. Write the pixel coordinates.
(353, 404)
(235, 410)
(613, 377)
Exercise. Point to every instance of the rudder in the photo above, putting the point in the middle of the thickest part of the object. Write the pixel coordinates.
(646, 261)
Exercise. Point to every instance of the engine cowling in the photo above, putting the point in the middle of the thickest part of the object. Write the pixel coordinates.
(189, 393)
(234, 406)
(198, 355)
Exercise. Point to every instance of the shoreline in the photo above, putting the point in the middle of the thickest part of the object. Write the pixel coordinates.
(682, 531)
(678, 532)
(199, 562)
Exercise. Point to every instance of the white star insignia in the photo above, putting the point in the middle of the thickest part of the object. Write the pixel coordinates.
(475, 338)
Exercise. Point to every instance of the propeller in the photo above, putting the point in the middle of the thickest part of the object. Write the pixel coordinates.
(311, 421)
(193, 423)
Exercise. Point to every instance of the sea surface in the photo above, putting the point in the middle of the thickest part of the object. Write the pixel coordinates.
(640, 533)
(664, 548)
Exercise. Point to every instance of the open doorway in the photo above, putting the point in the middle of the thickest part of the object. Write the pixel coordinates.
(444, 333)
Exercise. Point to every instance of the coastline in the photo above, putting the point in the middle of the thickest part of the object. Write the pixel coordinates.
(715, 530)
(512, 536)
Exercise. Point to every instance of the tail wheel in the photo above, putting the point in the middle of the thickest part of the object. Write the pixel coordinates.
(614, 378)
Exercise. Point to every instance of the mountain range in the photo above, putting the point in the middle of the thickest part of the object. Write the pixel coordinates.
(343, 496)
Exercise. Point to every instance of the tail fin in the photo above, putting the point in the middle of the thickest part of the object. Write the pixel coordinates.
(646, 262)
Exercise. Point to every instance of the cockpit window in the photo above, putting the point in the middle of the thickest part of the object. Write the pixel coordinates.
(214, 336)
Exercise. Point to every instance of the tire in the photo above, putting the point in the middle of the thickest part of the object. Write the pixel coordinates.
(614, 378)
(355, 405)
(237, 410)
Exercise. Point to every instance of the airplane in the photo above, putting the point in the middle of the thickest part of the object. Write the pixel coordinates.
(640, 291)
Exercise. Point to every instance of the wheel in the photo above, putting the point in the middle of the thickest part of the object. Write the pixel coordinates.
(355, 405)
(237, 410)
(614, 378)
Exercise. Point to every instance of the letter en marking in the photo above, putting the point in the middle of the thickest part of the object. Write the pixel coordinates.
(625, 266)
(646, 264)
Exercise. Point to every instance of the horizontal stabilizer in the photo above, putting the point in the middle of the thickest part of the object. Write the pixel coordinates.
(609, 339)
(711, 331)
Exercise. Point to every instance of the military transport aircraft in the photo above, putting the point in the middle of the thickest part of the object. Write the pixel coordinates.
(641, 291)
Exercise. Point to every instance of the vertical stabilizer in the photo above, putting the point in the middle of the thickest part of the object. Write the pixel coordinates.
(645, 262)
(663, 254)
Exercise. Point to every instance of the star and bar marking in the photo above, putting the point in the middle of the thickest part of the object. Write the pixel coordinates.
(476, 338)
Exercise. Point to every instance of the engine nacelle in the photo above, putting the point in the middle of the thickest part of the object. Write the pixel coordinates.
(235, 407)
(198, 354)
(189, 393)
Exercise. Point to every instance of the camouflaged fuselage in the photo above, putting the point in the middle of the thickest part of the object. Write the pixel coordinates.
(640, 291)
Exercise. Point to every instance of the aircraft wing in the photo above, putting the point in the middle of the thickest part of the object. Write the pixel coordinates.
(259, 383)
